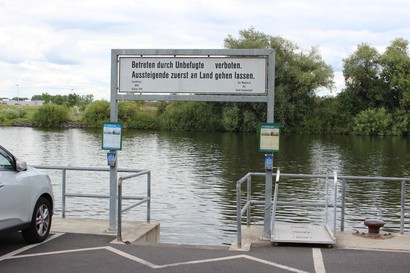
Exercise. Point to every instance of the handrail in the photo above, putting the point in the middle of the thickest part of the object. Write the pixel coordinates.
(146, 199)
(64, 170)
(248, 178)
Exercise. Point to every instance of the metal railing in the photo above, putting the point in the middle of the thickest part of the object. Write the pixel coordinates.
(142, 199)
(249, 202)
(65, 194)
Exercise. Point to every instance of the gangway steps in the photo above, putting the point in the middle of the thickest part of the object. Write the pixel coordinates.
(301, 233)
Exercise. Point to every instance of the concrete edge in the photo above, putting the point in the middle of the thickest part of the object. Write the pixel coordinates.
(132, 231)
(251, 237)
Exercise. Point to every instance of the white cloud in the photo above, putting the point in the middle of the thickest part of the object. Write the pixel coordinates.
(56, 46)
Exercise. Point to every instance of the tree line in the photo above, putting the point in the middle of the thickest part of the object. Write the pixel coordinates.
(375, 100)
(69, 100)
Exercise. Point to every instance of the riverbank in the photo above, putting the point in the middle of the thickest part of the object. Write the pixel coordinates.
(70, 124)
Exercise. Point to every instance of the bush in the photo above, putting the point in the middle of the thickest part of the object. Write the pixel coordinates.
(327, 116)
(127, 111)
(132, 117)
(372, 122)
(96, 114)
(189, 116)
(21, 112)
(143, 121)
(231, 118)
(50, 115)
(235, 119)
(250, 122)
(10, 113)
(401, 123)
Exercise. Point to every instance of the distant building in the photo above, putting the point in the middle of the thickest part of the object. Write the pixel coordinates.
(22, 102)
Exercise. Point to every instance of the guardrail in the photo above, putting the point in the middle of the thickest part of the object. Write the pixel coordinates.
(247, 206)
(143, 199)
(65, 194)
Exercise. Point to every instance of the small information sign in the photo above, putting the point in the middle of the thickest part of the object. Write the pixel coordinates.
(269, 137)
(112, 136)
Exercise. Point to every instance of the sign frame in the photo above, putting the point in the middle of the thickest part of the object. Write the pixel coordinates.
(116, 96)
(112, 136)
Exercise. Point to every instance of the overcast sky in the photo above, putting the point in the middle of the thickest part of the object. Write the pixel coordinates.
(64, 46)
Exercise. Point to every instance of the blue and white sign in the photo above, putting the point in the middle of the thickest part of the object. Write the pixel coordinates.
(112, 136)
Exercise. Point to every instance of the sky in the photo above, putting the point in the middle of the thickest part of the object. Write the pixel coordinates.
(64, 46)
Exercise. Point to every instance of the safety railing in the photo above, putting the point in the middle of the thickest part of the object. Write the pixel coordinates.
(142, 200)
(65, 194)
(246, 208)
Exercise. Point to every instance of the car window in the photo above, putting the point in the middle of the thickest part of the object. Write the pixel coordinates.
(6, 161)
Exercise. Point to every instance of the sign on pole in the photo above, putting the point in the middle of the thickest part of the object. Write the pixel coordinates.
(269, 137)
(112, 136)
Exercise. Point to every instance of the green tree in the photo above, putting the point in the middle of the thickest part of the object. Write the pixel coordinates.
(44, 97)
(59, 99)
(395, 63)
(50, 116)
(362, 78)
(299, 74)
(327, 117)
(73, 99)
(87, 99)
(19, 98)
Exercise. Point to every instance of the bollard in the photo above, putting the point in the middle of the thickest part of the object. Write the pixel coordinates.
(374, 225)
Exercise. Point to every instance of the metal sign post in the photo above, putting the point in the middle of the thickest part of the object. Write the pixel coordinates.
(112, 141)
(268, 196)
(269, 143)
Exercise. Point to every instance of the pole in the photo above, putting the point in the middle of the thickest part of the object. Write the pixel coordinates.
(275, 201)
(269, 157)
(18, 92)
(268, 197)
(113, 169)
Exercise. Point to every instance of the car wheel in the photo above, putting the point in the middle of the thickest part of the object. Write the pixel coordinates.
(40, 222)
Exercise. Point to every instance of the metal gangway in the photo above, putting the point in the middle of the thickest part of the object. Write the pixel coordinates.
(324, 233)
(335, 200)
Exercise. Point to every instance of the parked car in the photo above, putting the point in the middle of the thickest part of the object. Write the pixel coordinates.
(26, 199)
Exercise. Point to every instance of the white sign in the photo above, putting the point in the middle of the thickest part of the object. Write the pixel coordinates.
(217, 75)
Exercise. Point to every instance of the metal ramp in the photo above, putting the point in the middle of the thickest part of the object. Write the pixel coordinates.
(300, 233)
(303, 232)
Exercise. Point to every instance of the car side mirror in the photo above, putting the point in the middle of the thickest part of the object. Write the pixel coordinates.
(21, 165)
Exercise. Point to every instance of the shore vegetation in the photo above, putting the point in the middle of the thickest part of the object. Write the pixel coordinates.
(374, 101)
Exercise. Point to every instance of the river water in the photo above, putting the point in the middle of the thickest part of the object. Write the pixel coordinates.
(194, 175)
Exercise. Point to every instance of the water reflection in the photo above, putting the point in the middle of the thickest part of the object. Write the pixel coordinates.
(194, 175)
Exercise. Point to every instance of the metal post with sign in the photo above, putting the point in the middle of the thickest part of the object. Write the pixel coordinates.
(112, 141)
(268, 143)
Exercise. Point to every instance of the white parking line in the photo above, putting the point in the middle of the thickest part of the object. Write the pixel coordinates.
(20, 250)
(11, 255)
(141, 261)
(318, 260)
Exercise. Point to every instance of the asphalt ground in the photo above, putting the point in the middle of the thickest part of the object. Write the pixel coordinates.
(69, 252)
